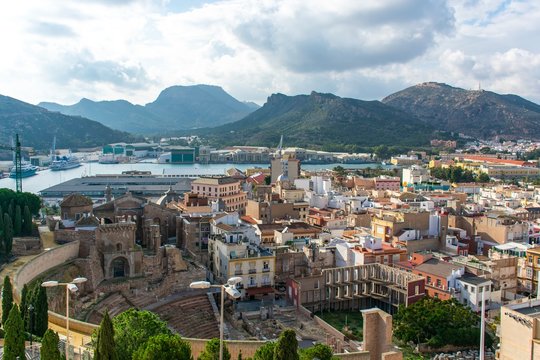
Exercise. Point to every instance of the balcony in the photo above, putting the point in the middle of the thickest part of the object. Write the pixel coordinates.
(249, 286)
(252, 271)
(266, 270)
(238, 272)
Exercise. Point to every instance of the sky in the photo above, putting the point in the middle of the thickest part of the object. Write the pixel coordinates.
(63, 51)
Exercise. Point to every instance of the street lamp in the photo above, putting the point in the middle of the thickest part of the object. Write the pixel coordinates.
(229, 288)
(70, 287)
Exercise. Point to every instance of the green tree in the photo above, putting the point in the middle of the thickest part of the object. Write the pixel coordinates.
(49, 346)
(438, 323)
(14, 335)
(265, 352)
(483, 178)
(8, 235)
(382, 152)
(2, 251)
(104, 347)
(11, 209)
(7, 298)
(164, 347)
(133, 327)
(211, 351)
(339, 170)
(41, 311)
(318, 351)
(17, 223)
(24, 305)
(27, 221)
(240, 355)
(287, 346)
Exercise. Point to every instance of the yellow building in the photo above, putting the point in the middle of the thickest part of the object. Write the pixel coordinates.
(231, 256)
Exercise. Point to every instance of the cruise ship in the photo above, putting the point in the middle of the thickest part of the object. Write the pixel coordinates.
(27, 170)
(65, 162)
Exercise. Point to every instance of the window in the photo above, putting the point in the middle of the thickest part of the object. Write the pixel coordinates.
(316, 285)
(466, 287)
(119, 247)
(473, 289)
(429, 279)
(439, 283)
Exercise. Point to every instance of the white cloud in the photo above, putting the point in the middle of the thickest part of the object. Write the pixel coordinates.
(132, 49)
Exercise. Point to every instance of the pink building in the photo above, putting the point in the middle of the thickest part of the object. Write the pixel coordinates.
(387, 183)
(226, 189)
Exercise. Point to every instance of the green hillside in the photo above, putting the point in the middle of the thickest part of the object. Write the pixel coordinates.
(322, 121)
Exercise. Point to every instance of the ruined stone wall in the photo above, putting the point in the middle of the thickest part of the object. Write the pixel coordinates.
(65, 235)
(44, 262)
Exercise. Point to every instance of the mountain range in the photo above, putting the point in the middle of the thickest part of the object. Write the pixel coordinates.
(177, 107)
(407, 118)
(38, 126)
(323, 121)
(477, 113)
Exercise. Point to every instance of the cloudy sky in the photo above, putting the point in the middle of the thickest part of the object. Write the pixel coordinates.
(132, 49)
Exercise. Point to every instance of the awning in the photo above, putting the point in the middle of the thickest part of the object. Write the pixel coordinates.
(259, 290)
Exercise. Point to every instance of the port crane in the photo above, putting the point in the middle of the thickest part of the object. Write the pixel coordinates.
(17, 160)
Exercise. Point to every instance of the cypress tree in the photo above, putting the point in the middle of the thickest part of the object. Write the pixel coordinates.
(41, 308)
(287, 346)
(7, 299)
(8, 235)
(24, 306)
(11, 210)
(104, 348)
(14, 336)
(17, 223)
(49, 346)
(27, 221)
(2, 251)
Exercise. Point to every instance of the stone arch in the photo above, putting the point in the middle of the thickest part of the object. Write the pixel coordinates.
(120, 267)
(107, 220)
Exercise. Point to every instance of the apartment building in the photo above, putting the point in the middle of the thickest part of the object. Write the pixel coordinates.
(440, 276)
(494, 227)
(366, 249)
(387, 224)
(266, 212)
(225, 189)
(232, 256)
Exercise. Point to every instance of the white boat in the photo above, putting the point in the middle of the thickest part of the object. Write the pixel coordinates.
(64, 162)
(27, 170)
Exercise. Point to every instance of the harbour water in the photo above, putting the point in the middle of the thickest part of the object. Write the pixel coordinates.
(48, 178)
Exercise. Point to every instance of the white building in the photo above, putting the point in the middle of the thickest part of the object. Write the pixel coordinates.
(414, 175)
(470, 293)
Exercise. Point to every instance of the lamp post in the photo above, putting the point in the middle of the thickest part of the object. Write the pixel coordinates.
(70, 287)
(31, 322)
(229, 288)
